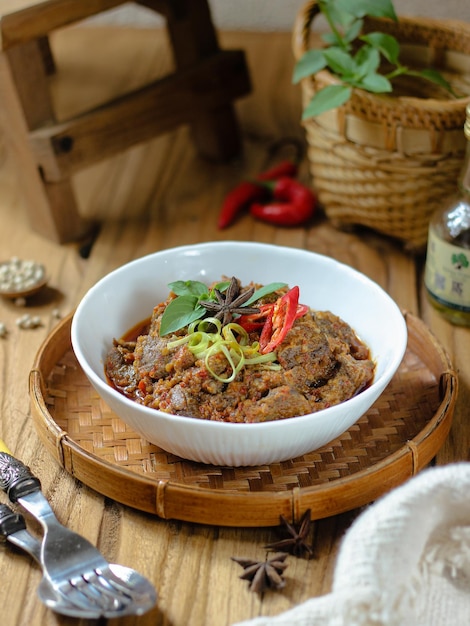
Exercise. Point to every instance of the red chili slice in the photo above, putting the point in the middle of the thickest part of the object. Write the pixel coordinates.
(255, 321)
(302, 309)
(278, 324)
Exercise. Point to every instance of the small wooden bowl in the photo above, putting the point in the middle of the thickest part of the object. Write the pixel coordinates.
(30, 289)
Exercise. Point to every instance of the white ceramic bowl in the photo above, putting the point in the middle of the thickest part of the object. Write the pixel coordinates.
(127, 296)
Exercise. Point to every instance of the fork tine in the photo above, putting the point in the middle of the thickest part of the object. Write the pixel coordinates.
(90, 592)
(75, 595)
(107, 603)
(117, 583)
(128, 583)
(102, 586)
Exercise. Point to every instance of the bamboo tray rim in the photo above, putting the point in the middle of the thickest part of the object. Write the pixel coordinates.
(170, 499)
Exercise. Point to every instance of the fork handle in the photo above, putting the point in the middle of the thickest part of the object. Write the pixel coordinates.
(13, 529)
(16, 479)
(10, 522)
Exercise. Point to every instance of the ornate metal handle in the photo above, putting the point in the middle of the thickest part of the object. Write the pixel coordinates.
(16, 479)
(10, 522)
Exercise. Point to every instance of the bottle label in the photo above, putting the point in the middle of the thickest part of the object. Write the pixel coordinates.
(447, 273)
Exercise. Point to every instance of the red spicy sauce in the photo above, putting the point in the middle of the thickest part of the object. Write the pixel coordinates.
(141, 328)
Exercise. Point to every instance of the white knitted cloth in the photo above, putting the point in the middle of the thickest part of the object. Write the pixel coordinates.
(405, 561)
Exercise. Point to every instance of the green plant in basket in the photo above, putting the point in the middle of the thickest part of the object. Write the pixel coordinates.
(367, 61)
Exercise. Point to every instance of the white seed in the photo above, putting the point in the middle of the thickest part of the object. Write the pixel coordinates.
(18, 275)
(26, 321)
(3, 330)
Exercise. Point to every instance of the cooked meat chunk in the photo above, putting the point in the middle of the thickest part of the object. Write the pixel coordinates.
(351, 378)
(306, 347)
(280, 403)
(119, 367)
(341, 334)
(320, 362)
(152, 357)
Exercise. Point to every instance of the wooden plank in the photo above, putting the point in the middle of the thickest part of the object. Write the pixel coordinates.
(190, 29)
(193, 37)
(157, 108)
(64, 214)
(30, 76)
(24, 20)
(15, 135)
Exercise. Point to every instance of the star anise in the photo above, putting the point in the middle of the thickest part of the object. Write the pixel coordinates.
(265, 574)
(230, 303)
(296, 542)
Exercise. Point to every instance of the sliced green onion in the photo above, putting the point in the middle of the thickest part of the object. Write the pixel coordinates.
(236, 367)
(231, 340)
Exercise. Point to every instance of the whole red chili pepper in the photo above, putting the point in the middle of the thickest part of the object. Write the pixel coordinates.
(239, 198)
(292, 205)
(288, 167)
(247, 192)
(284, 168)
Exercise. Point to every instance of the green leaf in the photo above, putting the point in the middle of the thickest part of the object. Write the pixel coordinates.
(367, 61)
(362, 69)
(264, 291)
(332, 39)
(386, 44)
(374, 8)
(376, 83)
(223, 286)
(354, 30)
(179, 313)
(188, 287)
(338, 14)
(339, 61)
(435, 77)
(327, 98)
(310, 63)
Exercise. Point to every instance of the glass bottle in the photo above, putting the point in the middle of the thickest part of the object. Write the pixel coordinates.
(447, 271)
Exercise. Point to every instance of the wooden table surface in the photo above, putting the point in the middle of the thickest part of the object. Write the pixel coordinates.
(156, 196)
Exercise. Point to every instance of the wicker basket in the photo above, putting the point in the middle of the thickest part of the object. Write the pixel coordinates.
(387, 162)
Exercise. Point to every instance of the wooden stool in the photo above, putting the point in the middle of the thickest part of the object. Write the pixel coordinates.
(199, 93)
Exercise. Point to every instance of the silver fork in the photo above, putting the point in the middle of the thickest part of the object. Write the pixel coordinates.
(75, 569)
(13, 529)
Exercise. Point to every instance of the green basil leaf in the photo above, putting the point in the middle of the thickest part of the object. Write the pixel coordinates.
(180, 312)
(221, 286)
(264, 291)
(386, 44)
(188, 288)
(310, 63)
(327, 98)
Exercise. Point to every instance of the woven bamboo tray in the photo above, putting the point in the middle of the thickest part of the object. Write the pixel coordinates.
(395, 439)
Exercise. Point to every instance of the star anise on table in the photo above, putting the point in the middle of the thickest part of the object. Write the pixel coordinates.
(265, 574)
(296, 542)
(230, 303)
